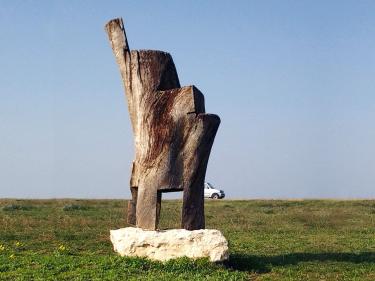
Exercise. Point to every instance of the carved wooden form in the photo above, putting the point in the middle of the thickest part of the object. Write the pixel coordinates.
(173, 134)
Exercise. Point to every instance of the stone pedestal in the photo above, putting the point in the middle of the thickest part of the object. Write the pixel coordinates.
(170, 244)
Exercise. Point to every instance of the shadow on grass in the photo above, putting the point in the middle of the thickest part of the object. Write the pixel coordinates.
(263, 264)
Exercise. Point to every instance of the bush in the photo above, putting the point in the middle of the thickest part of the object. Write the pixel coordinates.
(14, 207)
(74, 207)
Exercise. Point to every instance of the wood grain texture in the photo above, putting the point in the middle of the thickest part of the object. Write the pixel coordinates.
(172, 134)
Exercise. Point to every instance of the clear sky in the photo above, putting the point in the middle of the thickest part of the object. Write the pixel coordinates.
(293, 83)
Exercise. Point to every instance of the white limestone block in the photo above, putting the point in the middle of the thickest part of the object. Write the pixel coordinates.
(170, 244)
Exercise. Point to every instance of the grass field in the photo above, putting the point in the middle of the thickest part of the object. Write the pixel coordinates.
(269, 240)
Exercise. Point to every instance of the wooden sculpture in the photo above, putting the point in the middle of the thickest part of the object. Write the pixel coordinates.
(173, 134)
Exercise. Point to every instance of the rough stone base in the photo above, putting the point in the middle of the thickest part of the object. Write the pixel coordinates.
(170, 244)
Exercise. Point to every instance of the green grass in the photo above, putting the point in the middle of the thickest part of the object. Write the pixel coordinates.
(269, 240)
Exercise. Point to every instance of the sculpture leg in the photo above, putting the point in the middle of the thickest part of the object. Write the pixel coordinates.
(158, 208)
(201, 130)
(147, 207)
(132, 206)
(193, 207)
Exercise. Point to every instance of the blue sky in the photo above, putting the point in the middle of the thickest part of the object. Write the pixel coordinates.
(293, 83)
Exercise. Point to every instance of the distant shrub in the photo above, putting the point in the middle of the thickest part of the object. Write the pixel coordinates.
(228, 206)
(75, 207)
(268, 211)
(15, 207)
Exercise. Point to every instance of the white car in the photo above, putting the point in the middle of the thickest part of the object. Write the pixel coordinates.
(211, 192)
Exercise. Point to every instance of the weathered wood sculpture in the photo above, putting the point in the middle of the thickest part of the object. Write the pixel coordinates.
(173, 134)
